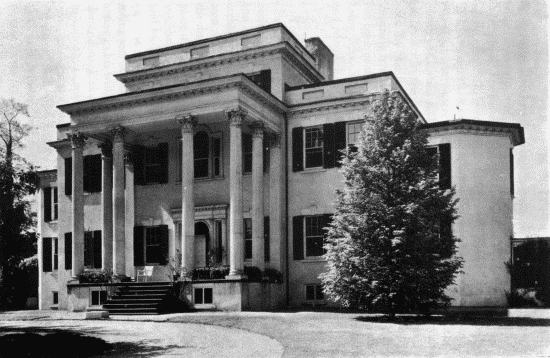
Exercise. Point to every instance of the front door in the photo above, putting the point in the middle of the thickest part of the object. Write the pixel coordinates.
(202, 244)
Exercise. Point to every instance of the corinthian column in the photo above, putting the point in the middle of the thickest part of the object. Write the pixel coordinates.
(119, 247)
(187, 193)
(236, 239)
(107, 205)
(276, 207)
(77, 141)
(258, 195)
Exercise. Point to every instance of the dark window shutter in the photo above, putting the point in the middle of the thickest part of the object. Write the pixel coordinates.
(297, 149)
(266, 238)
(328, 145)
(47, 204)
(163, 231)
(88, 249)
(162, 153)
(92, 173)
(68, 176)
(68, 251)
(47, 254)
(339, 141)
(298, 237)
(97, 249)
(139, 258)
(138, 157)
(445, 166)
(512, 172)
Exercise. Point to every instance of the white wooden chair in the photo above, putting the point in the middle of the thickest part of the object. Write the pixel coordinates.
(146, 273)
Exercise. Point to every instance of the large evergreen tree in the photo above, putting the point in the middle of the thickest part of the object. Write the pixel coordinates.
(390, 247)
(18, 180)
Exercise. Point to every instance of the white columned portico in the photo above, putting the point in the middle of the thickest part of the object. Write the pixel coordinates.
(275, 202)
(187, 193)
(236, 239)
(77, 141)
(107, 205)
(119, 247)
(258, 259)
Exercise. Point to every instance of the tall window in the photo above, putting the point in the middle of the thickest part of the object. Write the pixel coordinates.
(208, 155)
(314, 236)
(152, 245)
(353, 132)
(55, 248)
(201, 153)
(50, 204)
(152, 165)
(248, 239)
(92, 249)
(313, 147)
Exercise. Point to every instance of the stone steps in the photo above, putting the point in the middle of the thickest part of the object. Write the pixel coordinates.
(138, 298)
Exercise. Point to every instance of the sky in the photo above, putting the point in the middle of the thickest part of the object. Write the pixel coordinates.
(489, 58)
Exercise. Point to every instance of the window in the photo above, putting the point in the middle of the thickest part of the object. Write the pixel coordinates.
(444, 152)
(98, 298)
(219, 240)
(55, 243)
(250, 41)
(199, 52)
(262, 79)
(151, 164)
(353, 133)
(247, 153)
(208, 155)
(92, 249)
(313, 147)
(55, 297)
(151, 61)
(152, 245)
(50, 204)
(248, 239)
(314, 293)
(203, 295)
(314, 236)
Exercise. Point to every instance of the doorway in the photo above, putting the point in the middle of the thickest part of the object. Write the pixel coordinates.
(202, 244)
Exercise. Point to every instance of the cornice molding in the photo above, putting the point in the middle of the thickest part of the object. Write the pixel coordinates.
(326, 106)
(477, 129)
(176, 92)
(222, 59)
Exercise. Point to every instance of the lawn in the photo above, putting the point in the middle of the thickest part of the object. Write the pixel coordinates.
(329, 334)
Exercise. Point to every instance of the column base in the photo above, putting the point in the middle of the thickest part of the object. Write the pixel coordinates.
(236, 277)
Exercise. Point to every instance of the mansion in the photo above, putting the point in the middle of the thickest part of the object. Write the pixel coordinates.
(224, 152)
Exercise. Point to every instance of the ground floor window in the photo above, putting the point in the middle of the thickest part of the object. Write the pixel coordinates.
(55, 297)
(314, 236)
(314, 292)
(248, 239)
(98, 297)
(203, 295)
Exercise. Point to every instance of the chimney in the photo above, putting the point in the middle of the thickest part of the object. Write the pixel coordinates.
(324, 57)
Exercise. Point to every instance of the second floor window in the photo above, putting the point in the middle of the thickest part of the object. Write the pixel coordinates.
(208, 155)
(313, 147)
(50, 204)
(151, 164)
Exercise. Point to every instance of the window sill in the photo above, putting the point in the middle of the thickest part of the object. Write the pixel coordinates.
(204, 306)
(51, 222)
(313, 170)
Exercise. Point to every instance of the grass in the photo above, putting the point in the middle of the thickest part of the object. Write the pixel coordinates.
(329, 334)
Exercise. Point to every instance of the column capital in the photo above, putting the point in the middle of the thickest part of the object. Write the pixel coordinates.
(77, 139)
(257, 128)
(106, 149)
(274, 140)
(188, 122)
(236, 116)
(118, 134)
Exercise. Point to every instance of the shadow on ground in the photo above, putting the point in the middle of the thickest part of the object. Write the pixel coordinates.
(55, 342)
(459, 320)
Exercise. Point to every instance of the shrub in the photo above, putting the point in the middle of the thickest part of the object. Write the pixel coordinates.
(521, 298)
(273, 275)
(253, 273)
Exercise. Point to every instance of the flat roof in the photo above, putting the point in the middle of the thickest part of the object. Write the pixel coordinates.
(503, 125)
(221, 37)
